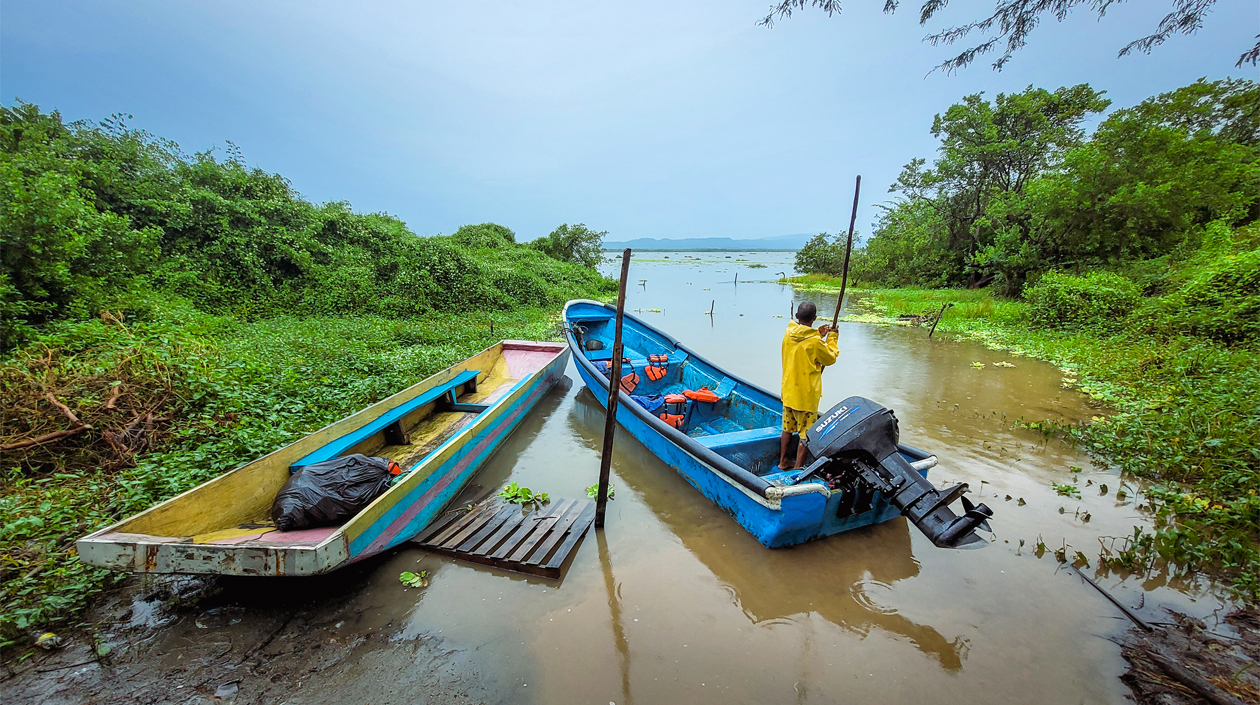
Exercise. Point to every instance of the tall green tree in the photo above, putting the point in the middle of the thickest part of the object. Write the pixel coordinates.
(989, 153)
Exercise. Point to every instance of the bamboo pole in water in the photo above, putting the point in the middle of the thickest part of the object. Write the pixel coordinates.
(614, 395)
(844, 275)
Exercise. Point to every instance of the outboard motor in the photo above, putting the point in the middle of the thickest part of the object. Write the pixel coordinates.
(857, 440)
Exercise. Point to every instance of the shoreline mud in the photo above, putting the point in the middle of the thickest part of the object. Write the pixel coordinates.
(183, 639)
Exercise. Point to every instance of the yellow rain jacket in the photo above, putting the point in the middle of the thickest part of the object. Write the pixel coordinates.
(805, 354)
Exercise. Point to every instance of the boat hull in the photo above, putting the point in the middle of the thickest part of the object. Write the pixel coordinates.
(151, 542)
(775, 520)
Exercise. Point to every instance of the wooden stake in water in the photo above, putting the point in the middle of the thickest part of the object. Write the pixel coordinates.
(614, 395)
(844, 275)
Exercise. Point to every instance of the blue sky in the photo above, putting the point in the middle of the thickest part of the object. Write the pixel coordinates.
(646, 119)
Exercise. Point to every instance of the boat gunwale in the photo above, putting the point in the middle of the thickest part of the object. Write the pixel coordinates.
(101, 536)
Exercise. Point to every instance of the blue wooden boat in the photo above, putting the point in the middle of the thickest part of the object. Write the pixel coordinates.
(728, 449)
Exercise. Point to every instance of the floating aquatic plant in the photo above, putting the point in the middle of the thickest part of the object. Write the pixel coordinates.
(515, 494)
(593, 491)
(416, 580)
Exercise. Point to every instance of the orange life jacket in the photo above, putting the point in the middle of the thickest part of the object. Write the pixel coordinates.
(628, 382)
(675, 420)
(655, 373)
(702, 394)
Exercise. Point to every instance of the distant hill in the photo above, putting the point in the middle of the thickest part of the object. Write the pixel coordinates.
(779, 242)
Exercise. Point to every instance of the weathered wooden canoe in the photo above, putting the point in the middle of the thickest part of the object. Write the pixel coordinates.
(440, 431)
(729, 449)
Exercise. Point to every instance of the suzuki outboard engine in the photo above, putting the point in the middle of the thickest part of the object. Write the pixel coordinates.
(858, 438)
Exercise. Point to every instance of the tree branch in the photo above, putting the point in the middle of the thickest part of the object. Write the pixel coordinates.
(45, 438)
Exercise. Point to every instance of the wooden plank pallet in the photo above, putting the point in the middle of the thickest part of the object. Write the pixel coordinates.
(508, 536)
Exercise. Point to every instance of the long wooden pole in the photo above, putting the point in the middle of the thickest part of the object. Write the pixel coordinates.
(614, 395)
(848, 248)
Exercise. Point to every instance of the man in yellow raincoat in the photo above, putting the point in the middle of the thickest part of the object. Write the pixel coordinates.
(805, 353)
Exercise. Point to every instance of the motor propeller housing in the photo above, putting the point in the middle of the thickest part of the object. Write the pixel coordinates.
(861, 435)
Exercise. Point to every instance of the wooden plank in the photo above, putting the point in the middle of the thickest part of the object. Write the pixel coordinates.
(512, 522)
(460, 523)
(438, 524)
(540, 571)
(489, 527)
(544, 527)
(502, 535)
(558, 531)
(579, 527)
(526, 527)
(473, 526)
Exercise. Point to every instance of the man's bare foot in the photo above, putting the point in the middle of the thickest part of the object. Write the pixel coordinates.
(783, 467)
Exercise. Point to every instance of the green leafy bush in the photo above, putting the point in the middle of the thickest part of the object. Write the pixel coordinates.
(491, 235)
(95, 213)
(822, 254)
(576, 244)
(1220, 301)
(59, 255)
(1019, 187)
(1100, 299)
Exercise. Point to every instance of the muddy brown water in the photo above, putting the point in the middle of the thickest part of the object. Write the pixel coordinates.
(675, 603)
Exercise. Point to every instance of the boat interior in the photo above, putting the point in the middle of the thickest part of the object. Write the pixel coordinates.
(744, 424)
(407, 428)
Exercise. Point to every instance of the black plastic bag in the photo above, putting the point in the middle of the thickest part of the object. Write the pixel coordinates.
(329, 493)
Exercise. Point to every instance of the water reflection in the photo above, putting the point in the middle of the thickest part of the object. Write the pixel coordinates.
(836, 578)
(614, 608)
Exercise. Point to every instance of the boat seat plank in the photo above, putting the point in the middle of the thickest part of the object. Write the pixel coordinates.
(737, 438)
(725, 387)
(348, 441)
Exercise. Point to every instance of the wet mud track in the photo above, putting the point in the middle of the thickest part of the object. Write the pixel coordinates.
(215, 640)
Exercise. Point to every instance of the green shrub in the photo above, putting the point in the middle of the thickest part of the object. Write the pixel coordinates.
(491, 235)
(59, 255)
(1220, 300)
(822, 255)
(1101, 299)
(576, 244)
